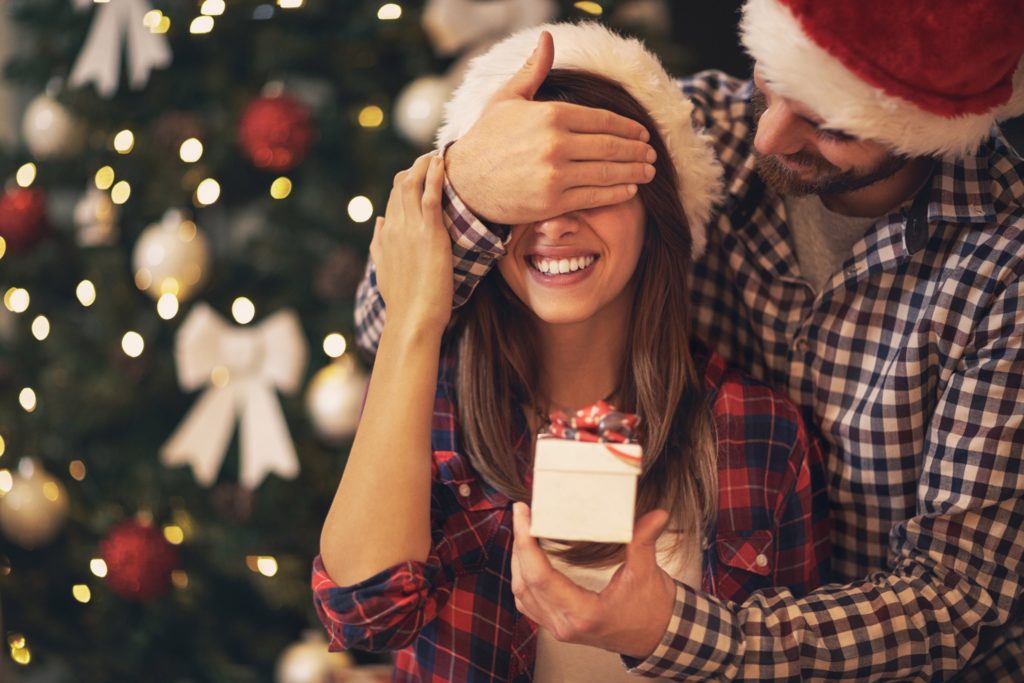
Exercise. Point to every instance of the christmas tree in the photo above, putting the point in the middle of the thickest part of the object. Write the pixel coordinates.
(187, 206)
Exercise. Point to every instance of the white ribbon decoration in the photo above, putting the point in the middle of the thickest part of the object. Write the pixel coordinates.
(118, 23)
(257, 360)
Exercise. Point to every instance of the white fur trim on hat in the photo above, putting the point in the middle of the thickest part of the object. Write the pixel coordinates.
(799, 69)
(592, 47)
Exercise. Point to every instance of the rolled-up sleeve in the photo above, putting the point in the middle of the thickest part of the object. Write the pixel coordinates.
(385, 612)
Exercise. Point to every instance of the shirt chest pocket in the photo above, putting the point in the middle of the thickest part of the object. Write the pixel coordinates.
(746, 562)
(477, 532)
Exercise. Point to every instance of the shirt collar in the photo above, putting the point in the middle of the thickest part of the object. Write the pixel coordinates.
(961, 190)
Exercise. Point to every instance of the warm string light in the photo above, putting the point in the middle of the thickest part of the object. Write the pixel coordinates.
(243, 310)
(281, 188)
(179, 578)
(156, 21)
(104, 178)
(207, 192)
(335, 345)
(389, 12)
(132, 344)
(590, 8)
(201, 24)
(371, 116)
(77, 470)
(191, 150)
(98, 567)
(124, 141)
(174, 534)
(41, 327)
(19, 649)
(212, 8)
(262, 564)
(86, 293)
(360, 209)
(290, 4)
(167, 306)
(27, 399)
(121, 191)
(81, 593)
(17, 300)
(3, 446)
(3, 247)
(220, 376)
(6, 482)
(26, 175)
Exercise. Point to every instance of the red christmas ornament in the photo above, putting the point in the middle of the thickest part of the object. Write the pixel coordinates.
(22, 217)
(139, 561)
(276, 132)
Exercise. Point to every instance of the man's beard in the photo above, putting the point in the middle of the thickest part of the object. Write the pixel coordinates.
(827, 180)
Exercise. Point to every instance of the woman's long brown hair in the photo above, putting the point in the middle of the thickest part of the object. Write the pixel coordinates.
(497, 367)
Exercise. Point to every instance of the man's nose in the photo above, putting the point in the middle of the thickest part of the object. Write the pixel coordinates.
(780, 131)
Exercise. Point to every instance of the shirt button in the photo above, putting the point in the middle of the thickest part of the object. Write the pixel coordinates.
(464, 490)
(801, 344)
(761, 560)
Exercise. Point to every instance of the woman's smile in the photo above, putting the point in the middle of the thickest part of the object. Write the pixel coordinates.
(560, 271)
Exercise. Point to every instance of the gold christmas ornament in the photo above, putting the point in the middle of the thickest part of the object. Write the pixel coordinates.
(49, 129)
(35, 508)
(334, 399)
(419, 108)
(171, 257)
(308, 661)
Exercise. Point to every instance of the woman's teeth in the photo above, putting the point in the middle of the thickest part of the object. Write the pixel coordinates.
(552, 266)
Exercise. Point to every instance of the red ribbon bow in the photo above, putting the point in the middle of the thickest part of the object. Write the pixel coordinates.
(599, 423)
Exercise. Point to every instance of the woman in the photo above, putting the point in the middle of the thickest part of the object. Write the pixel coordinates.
(416, 551)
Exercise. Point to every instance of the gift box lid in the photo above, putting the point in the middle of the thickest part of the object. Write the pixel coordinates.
(565, 455)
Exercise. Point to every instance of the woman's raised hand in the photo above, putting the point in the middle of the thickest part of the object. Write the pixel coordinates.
(412, 251)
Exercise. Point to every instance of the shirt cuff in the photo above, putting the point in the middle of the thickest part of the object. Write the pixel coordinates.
(466, 230)
(702, 640)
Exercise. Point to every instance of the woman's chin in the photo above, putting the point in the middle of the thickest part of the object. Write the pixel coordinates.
(561, 313)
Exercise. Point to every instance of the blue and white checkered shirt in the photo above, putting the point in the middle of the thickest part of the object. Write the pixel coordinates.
(910, 364)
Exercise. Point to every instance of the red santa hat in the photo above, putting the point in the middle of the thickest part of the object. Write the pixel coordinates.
(594, 48)
(926, 77)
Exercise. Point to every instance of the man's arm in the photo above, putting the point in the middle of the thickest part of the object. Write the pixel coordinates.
(958, 564)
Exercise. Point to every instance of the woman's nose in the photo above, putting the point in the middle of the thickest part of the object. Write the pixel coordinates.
(559, 227)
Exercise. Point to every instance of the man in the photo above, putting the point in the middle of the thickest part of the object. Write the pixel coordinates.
(869, 260)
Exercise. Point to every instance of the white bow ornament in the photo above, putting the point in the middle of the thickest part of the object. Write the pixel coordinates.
(241, 367)
(116, 25)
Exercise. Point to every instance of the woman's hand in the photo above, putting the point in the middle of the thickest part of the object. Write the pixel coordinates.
(629, 616)
(412, 251)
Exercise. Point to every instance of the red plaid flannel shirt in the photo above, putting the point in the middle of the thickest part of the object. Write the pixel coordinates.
(453, 618)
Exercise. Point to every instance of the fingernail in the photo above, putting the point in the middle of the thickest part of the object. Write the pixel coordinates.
(631, 189)
(652, 156)
(648, 171)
